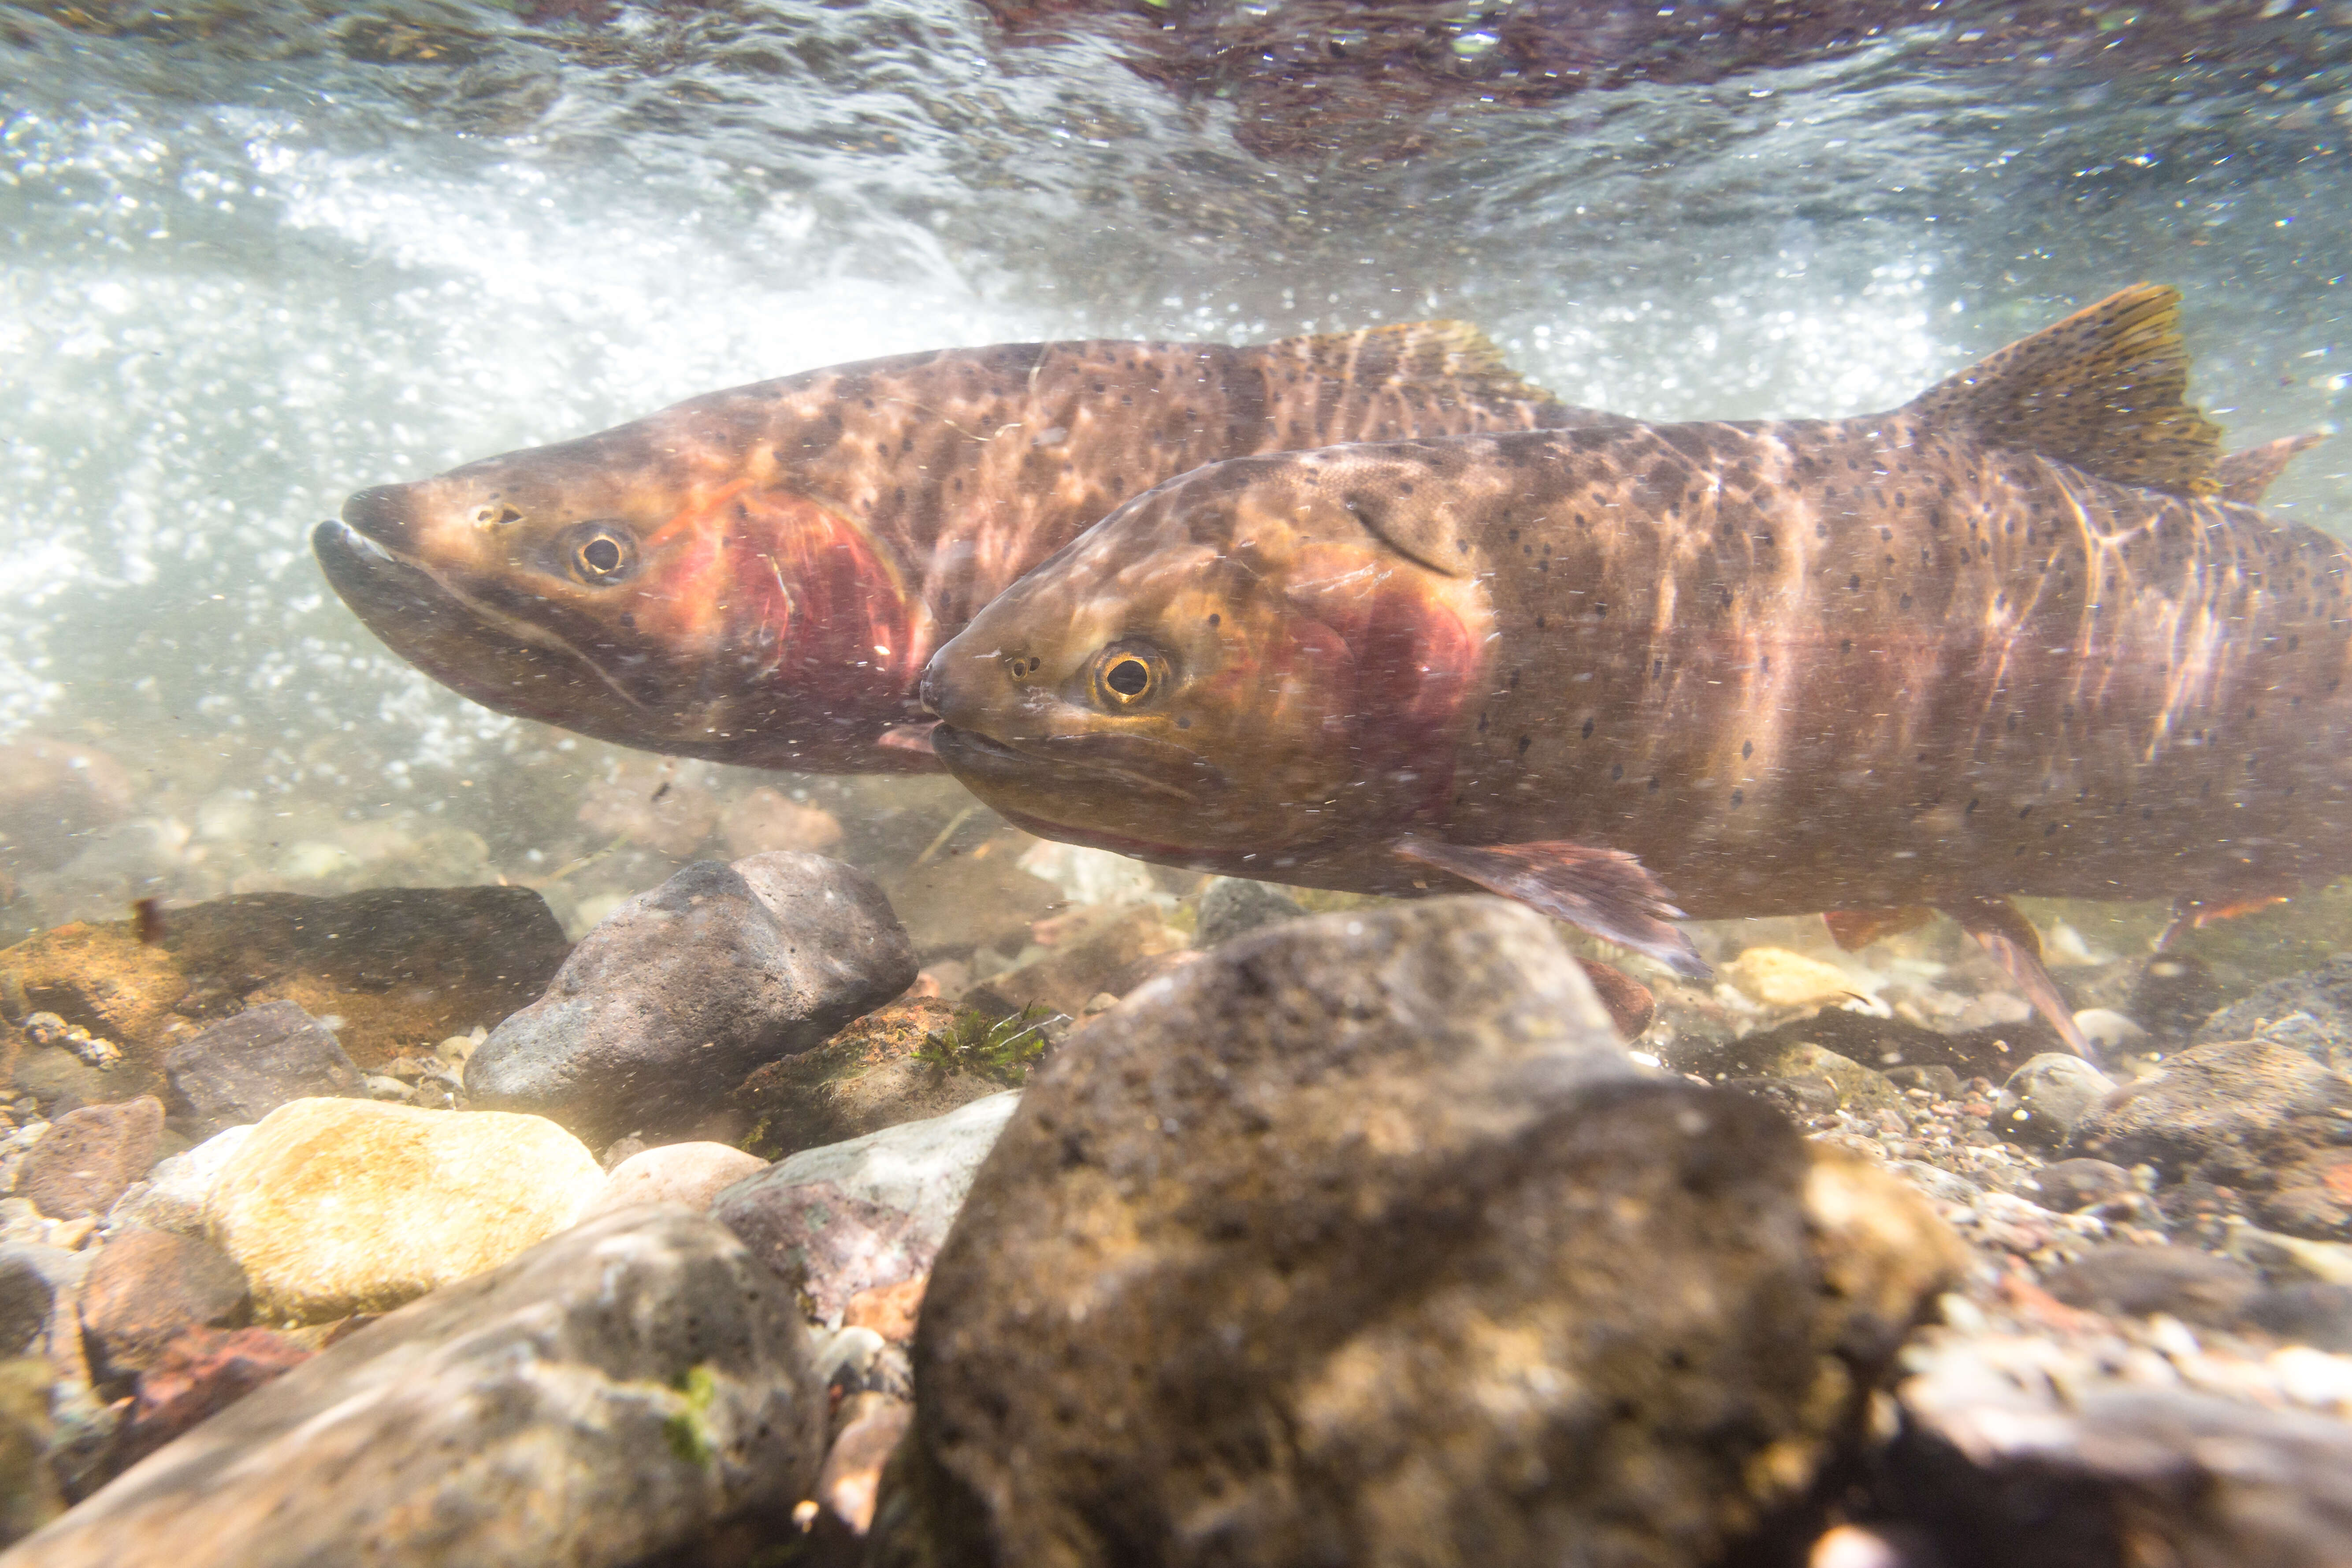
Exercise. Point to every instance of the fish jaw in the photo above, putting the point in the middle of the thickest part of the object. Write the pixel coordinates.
(1299, 678)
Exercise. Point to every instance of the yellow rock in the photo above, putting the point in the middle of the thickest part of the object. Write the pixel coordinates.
(336, 1206)
(1779, 978)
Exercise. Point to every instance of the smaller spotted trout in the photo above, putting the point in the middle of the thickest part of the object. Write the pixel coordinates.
(758, 576)
(2026, 635)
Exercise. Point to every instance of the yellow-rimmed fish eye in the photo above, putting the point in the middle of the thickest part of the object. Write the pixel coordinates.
(600, 552)
(1127, 675)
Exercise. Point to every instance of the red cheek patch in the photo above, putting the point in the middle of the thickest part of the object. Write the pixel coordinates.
(1407, 669)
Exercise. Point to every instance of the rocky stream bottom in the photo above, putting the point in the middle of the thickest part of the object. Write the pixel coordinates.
(387, 1228)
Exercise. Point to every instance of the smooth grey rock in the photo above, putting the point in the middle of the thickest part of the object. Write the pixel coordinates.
(242, 1069)
(1361, 1240)
(2044, 1098)
(608, 1398)
(2313, 1312)
(2070, 1186)
(677, 994)
(1233, 905)
(2312, 1012)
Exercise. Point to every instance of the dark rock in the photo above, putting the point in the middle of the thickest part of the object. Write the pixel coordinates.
(823, 1242)
(1882, 1044)
(29, 1279)
(1363, 1240)
(2253, 1117)
(2004, 1474)
(2313, 1312)
(2135, 1281)
(877, 1072)
(398, 966)
(2324, 997)
(146, 1288)
(681, 992)
(2070, 1186)
(1935, 1078)
(1231, 905)
(612, 1397)
(239, 1071)
(60, 1081)
(193, 1376)
(29, 1490)
(90, 1155)
(2175, 994)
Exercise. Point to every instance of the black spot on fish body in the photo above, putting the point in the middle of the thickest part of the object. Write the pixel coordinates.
(1523, 745)
(1588, 734)
(1747, 748)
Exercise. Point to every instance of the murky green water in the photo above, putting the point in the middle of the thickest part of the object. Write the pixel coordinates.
(259, 257)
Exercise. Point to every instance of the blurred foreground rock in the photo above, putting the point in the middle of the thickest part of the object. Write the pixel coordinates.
(1361, 1240)
(681, 992)
(336, 1207)
(636, 1388)
(398, 967)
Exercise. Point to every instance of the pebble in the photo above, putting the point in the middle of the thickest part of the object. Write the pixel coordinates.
(1780, 978)
(1386, 1182)
(853, 1469)
(2179, 1281)
(668, 1003)
(610, 1397)
(692, 1175)
(2315, 1313)
(336, 1206)
(1231, 905)
(178, 1190)
(2046, 1097)
(147, 1287)
(90, 1155)
(2070, 1186)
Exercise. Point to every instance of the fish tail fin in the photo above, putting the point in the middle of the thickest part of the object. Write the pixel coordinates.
(2245, 475)
(2102, 390)
(1419, 352)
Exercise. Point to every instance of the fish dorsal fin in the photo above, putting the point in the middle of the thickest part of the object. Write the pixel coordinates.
(1427, 354)
(2245, 475)
(1421, 526)
(2100, 390)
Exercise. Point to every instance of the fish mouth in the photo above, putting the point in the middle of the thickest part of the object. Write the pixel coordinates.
(377, 516)
(417, 617)
(1103, 759)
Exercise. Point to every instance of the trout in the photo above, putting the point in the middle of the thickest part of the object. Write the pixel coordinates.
(758, 576)
(2025, 634)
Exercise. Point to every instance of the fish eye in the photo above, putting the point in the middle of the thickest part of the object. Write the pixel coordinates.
(600, 552)
(1127, 675)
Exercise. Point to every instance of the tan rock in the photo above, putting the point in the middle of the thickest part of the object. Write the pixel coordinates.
(1858, 1088)
(764, 819)
(690, 1174)
(1779, 978)
(336, 1206)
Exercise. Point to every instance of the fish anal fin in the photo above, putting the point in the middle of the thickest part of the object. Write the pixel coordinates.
(2246, 474)
(1428, 355)
(1853, 930)
(2104, 390)
(2011, 938)
(1606, 892)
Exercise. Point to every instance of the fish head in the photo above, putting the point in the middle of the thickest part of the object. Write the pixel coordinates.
(1233, 663)
(660, 585)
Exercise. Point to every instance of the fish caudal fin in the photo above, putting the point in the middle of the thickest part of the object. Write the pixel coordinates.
(2102, 390)
(2244, 476)
(2011, 938)
(1605, 891)
(1422, 353)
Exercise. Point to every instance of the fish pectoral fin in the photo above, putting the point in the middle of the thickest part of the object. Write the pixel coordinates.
(2245, 475)
(908, 737)
(1853, 930)
(1605, 891)
(2102, 390)
(2013, 943)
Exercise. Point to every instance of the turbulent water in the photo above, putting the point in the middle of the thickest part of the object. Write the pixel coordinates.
(259, 257)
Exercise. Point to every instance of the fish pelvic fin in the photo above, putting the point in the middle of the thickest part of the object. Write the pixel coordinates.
(2001, 931)
(2245, 475)
(1605, 892)
(1428, 355)
(2102, 390)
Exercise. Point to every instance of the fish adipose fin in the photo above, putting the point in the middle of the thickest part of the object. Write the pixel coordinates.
(2102, 390)
(2244, 476)
(1605, 891)
(1853, 930)
(2011, 938)
(1418, 353)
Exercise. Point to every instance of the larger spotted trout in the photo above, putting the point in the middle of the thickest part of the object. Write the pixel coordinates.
(2024, 634)
(758, 576)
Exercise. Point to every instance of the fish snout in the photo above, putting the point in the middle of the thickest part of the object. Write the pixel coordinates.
(381, 515)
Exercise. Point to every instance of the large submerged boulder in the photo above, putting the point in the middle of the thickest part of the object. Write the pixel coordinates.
(1362, 1239)
(677, 994)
